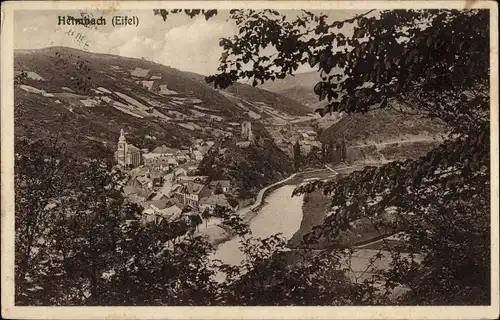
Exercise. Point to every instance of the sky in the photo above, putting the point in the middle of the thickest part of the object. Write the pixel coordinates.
(180, 42)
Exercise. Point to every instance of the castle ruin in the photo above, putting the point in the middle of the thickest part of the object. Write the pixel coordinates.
(246, 131)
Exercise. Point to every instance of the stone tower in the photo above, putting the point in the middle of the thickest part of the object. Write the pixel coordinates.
(246, 131)
(121, 154)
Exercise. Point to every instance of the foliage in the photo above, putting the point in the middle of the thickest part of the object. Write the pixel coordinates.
(297, 157)
(195, 220)
(270, 277)
(231, 221)
(432, 63)
(76, 244)
(65, 227)
(206, 215)
(250, 168)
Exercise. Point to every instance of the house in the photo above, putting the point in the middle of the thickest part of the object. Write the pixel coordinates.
(129, 190)
(143, 183)
(173, 211)
(180, 172)
(317, 144)
(151, 195)
(160, 161)
(191, 193)
(194, 192)
(176, 192)
(172, 162)
(243, 144)
(214, 200)
(160, 204)
(160, 196)
(224, 185)
(196, 179)
(182, 158)
(158, 182)
(204, 149)
(158, 210)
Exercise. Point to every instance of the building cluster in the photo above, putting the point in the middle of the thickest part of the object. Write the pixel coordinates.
(285, 138)
(179, 194)
(164, 181)
(161, 158)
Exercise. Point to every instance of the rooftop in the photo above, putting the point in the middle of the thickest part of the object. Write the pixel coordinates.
(164, 149)
(222, 183)
(194, 187)
(216, 199)
(133, 148)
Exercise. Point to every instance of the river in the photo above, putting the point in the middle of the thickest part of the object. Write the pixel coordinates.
(281, 213)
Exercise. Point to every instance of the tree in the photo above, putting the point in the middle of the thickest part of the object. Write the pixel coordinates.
(195, 220)
(429, 62)
(231, 221)
(206, 216)
(63, 204)
(297, 157)
(78, 244)
(218, 189)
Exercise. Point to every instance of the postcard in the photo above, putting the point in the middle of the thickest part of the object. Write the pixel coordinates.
(250, 160)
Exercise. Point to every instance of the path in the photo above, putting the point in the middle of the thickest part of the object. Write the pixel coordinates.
(260, 195)
(395, 142)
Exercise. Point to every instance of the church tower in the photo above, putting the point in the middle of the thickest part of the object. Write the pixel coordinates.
(121, 154)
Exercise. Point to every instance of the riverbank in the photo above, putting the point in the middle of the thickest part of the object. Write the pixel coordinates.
(313, 214)
(282, 215)
(217, 235)
(315, 208)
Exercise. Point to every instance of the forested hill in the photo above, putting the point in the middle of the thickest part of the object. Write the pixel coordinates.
(251, 166)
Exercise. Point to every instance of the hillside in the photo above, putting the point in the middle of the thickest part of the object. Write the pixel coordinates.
(384, 135)
(251, 167)
(86, 98)
(298, 87)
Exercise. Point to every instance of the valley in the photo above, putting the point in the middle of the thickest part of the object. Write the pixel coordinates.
(258, 158)
(185, 130)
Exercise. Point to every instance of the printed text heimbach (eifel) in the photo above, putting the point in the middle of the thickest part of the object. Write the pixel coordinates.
(101, 21)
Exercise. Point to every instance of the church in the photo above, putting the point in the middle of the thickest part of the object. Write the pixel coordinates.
(127, 155)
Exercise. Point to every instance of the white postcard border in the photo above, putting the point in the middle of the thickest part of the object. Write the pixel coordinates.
(356, 312)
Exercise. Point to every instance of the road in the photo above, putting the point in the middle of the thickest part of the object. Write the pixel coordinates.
(395, 142)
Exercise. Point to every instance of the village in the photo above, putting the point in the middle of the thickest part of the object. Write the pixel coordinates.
(163, 182)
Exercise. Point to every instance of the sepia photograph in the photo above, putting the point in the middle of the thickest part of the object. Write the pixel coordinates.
(250, 154)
